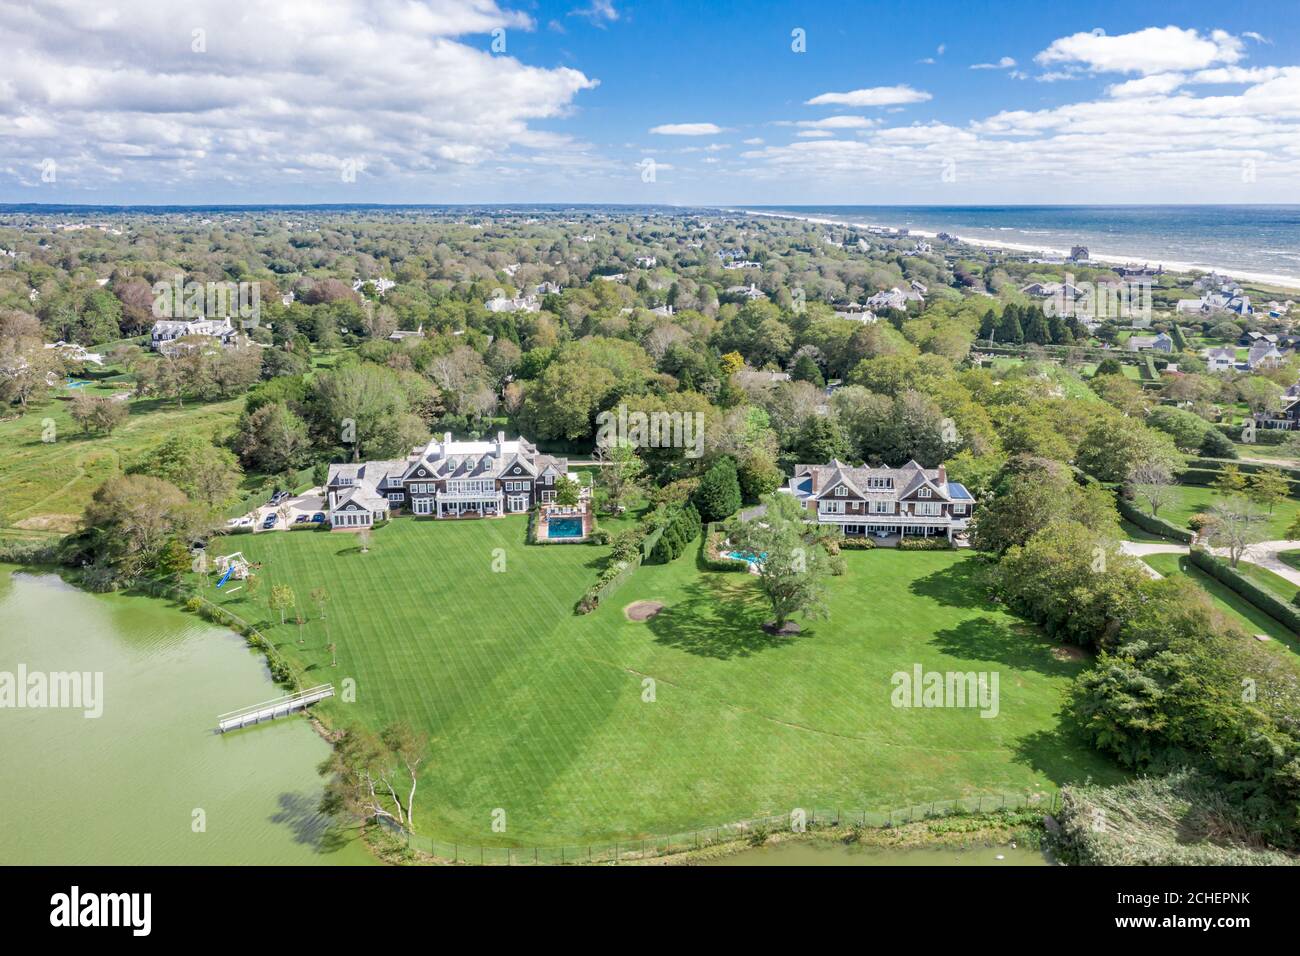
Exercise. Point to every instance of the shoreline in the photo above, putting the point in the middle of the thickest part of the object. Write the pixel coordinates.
(1186, 268)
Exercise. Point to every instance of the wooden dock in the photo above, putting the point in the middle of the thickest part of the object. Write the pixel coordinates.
(271, 709)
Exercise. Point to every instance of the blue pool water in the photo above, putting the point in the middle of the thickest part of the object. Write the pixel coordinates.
(564, 528)
(745, 556)
(77, 383)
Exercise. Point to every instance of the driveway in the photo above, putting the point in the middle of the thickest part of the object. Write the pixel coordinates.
(1264, 554)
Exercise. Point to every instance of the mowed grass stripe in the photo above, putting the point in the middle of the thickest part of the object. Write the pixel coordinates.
(539, 712)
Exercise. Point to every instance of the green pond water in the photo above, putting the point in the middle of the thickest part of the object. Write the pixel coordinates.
(818, 854)
(124, 788)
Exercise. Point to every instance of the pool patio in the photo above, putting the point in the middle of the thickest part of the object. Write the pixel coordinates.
(561, 518)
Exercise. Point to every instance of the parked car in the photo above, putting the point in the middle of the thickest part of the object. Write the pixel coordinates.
(270, 520)
(278, 497)
(318, 517)
(300, 519)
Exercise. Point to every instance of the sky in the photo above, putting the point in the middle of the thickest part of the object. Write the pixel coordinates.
(708, 103)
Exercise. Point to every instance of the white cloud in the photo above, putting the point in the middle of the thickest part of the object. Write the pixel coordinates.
(598, 12)
(1005, 63)
(1147, 85)
(839, 122)
(687, 129)
(753, 141)
(269, 96)
(1153, 50)
(873, 96)
(815, 133)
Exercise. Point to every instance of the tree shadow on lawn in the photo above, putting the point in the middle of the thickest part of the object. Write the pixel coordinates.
(963, 584)
(1018, 645)
(710, 623)
(1064, 756)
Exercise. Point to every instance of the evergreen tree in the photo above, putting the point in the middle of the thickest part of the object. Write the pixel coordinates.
(718, 494)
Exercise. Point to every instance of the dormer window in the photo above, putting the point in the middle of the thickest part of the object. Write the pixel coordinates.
(925, 493)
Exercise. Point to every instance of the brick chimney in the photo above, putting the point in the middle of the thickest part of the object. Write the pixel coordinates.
(943, 479)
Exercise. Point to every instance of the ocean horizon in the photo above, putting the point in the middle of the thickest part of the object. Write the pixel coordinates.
(1249, 241)
(1260, 242)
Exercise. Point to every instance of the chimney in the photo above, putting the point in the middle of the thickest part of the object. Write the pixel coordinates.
(943, 478)
(501, 444)
(446, 438)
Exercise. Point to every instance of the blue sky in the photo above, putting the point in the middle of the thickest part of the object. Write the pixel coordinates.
(604, 101)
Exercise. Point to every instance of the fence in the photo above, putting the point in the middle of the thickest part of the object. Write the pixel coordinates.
(629, 851)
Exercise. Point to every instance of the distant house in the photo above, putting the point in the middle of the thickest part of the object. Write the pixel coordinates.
(401, 334)
(546, 288)
(664, 310)
(1264, 356)
(1221, 360)
(500, 303)
(895, 298)
(750, 291)
(1157, 343)
(167, 331)
(1078, 253)
(381, 285)
(741, 264)
(75, 353)
(856, 313)
(615, 277)
(646, 262)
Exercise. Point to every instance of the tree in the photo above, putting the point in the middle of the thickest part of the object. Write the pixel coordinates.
(792, 566)
(1267, 487)
(1033, 493)
(718, 495)
(1114, 444)
(135, 515)
(1236, 525)
(363, 540)
(333, 648)
(281, 599)
(272, 439)
(320, 597)
(97, 414)
(620, 473)
(820, 440)
(567, 492)
(1154, 481)
(1230, 481)
(805, 370)
(201, 469)
(367, 771)
(1215, 444)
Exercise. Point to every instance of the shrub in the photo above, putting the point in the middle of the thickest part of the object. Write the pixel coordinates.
(925, 544)
(1153, 524)
(1263, 599)
(713, 558)
(857, 543)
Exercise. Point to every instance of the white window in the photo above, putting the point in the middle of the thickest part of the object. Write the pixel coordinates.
(882, 507)
(832, 507)
(841, 491)
(959, 509)
(395, 496)
(880, 483)
(548, 495)
(924, 493)
(929, 508)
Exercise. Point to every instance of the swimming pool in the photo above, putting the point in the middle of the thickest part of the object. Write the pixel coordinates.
(745, 556)
(564, 528)
(76, 383)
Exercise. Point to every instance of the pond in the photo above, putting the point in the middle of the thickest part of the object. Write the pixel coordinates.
(128, 786)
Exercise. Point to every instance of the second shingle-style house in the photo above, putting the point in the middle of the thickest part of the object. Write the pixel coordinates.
(445, 479)
(910, 500)
(167, 331)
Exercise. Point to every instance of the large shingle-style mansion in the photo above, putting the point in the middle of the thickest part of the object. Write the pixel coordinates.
(445, 479)
(910, 500)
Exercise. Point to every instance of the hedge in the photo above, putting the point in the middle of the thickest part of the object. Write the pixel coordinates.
(856, 543)
(1203, 476)
(1226, 574)
(925, 544)
(611, 578)
(1245, 467)
(1151, 523)
(711, 551)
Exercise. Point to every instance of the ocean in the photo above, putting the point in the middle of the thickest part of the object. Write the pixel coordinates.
(1246, 242)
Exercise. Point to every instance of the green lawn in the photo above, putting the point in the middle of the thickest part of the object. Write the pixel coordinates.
(539, 712)
(1187, 500)
(46, 484)
(1251, 619)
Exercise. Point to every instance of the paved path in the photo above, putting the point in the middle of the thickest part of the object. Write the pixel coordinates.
(1264, 554)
